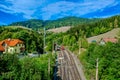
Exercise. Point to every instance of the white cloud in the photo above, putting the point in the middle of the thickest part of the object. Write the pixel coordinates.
(75, 8)
(47, 8)
(92, 6)
(56, 8)
(27, 7)
(5, 9)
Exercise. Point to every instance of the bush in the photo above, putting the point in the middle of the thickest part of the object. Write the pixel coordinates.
(13, 68)
(109, 68)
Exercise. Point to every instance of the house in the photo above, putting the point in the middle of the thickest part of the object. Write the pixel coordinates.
(12, 46)
(105, 40)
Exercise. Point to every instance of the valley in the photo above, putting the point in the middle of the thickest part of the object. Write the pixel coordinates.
(63, 52)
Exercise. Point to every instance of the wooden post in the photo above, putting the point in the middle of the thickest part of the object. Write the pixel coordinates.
(44, 41)
(49, 67)
(79, 45)
(96, 69)
(52, 47)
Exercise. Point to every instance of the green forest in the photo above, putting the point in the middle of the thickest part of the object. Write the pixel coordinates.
(73, 39)
(33, 23)
(36, 68)
(96, 28)
(80, 32)
(32, 40)
(108, 60)
(67, 21)
(108, 55)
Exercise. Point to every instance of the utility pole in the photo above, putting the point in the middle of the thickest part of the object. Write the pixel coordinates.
(53, 47)
(44, 41)
(79, 45)
(49, 67)
(96, 69)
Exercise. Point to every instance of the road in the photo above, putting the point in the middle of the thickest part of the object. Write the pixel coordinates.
(68, 68)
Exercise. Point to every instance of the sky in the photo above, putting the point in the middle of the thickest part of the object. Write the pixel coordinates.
(20, 10)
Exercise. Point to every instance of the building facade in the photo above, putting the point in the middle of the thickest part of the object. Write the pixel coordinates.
(13, 46)
(105, 40)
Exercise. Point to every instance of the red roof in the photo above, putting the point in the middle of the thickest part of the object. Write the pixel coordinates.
(11, 42)
(114, 40)
(1, 48)
(1, 42)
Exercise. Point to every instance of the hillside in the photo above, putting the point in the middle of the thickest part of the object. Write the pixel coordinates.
(110, 34)
(32, 40)
(76, 39)
(33, 24)
(22, 27)
(60, 29)
(108, 59)
(67, 21)
(96, 28)
(82, 32)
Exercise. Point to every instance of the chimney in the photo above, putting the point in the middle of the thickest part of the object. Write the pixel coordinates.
(9, 39)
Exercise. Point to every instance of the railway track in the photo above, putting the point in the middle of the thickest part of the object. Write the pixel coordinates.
(67, 68)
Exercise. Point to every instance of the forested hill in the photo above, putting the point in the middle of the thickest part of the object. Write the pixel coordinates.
(32, 40)
(32, 23)
(96, 28)
(67, 21)
(83, 31)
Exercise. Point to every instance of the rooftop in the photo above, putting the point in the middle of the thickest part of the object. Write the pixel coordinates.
(114, 40)
(1, 48)
(11, 42)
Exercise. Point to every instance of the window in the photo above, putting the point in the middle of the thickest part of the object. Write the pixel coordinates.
(15, 50)
(10, 50)
(4, 44)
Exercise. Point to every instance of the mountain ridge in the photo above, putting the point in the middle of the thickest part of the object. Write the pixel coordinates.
(66, 21)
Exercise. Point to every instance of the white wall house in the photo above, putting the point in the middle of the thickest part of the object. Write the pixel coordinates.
(13, 46)
(105, 40)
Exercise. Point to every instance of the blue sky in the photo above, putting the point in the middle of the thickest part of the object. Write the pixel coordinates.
(18, 10)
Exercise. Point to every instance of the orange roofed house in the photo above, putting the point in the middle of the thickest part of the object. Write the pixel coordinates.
(12, 46)
(105, 40)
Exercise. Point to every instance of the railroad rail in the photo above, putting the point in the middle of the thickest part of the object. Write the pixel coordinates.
(67, 69)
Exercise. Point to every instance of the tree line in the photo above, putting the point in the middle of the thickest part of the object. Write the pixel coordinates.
(81, 32)
(108, 55)
(36, 24)
(13, 68)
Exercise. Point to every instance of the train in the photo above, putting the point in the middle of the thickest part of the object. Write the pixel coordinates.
(58, 48)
